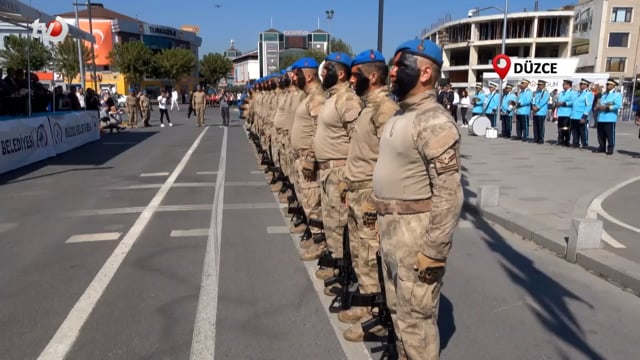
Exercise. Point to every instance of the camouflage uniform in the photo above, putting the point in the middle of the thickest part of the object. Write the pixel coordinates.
(199, 102)
(417, 185)
(302, 132)
(297, 97)
(278, 124)
(331, 148)
(363, 154)
(132, 109)
(145, 107)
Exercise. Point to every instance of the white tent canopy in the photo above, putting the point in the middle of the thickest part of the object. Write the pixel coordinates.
(16, 12)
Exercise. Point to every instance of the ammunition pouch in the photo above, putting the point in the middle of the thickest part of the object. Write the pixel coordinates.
(369, 219)
(316, 223)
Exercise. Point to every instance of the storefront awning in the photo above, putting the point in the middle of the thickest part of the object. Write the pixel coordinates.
(16, 12)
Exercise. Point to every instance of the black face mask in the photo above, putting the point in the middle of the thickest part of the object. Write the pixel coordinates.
(331, 76)
(407, 75)
(301, 82)
(362, 83)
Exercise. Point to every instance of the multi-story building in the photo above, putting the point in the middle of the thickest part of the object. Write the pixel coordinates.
(470, 44)
(110, 27)
(246, 68)
(606, 37)
(273, 43)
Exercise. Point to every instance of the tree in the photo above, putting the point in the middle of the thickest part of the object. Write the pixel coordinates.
(287, 58)
(65, 58)
(214, 67)
(339, 45)
(175, 63)
(312, 53)
(133, 60)
(19, 51)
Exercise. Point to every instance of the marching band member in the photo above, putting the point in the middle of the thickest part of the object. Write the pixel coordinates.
(610, 103)
(580, 109)
(523, 111)
(506, 112)
(478, 101)
(540, 107)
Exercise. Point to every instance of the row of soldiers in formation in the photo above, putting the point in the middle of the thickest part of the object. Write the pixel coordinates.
(373, 184)
(571, 107)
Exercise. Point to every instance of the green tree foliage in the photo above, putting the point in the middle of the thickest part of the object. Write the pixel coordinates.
(339, 45)
(65, 58)
(133, 59)
(175, 63)
(214, 67)
(312, 53)
(19, 51)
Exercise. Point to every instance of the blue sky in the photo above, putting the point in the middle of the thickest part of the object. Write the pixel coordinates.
(355, 21)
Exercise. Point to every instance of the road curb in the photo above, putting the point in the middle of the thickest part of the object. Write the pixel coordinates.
(616, 269)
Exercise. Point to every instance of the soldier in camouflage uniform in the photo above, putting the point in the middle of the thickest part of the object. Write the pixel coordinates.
(132, 108)
(302, 132)
(368, 79)
(418, 191)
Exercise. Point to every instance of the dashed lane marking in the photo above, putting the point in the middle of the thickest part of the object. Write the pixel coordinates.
(81, 238)
(154, 174)
(67, 334)
(157, 186)
(189, 233)
(278, 230)
(245, 183)
(206, 173)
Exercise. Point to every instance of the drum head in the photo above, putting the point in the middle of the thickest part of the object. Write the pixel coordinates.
(478, 125)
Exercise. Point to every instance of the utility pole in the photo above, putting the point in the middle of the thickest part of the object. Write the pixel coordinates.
(93, 50)
(83, 80)
(380, 23)
(329, 17)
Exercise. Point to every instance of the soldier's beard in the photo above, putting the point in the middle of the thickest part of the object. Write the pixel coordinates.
(406, 76)
(300, 80)
(362, 84)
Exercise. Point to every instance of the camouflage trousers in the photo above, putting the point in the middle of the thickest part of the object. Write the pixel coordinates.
(308, 193)
(200, 109)
(413, 304)
(363, 241)
(334, 211)
(276, 148)
(133, 117)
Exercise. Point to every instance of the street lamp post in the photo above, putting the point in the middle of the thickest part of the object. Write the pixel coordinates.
(505, 11)
(329, 17)
(380, 23)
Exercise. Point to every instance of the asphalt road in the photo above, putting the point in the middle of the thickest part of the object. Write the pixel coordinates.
(195, 260)
(622, 222)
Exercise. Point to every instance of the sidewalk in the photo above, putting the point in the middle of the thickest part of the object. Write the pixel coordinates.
(542, 187)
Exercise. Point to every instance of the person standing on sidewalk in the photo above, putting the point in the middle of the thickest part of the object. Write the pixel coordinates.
(491, 107)
(418, 195)
(224, 110)
(580, 109)
(564, 106)
(506, 110)
(465, 104)
(523, 111)
(368, 78)
(478, 101)
(145, 107)
(540, 108)
(163, 104)
(610, 104)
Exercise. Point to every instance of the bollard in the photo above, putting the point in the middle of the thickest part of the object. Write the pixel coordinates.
(488, 196)
(584, 234)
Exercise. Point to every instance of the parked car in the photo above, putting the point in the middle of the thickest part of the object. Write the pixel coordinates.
(121, 101)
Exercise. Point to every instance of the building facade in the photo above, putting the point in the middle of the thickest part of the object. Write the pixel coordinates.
(110, 28)
(470, 44)
(607, 36)
(246, 68)
(273, 43)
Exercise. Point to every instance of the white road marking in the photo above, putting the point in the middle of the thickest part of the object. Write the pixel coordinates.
(5, 227)
(249, 206)
(157, 186)
(596, 209)
(80, 238)
(154, 174)
(278, 230)
(257, 172)
(246, 183)
(69, 330)
(189, 233)
(203, 344)
(207, 173)
(139, 209)
(352, 350)
(611, 241)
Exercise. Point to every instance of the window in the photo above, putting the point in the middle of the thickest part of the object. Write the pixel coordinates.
(621, 14)
(618, 39)
(615, 64)
(270, 37)
(319, 37)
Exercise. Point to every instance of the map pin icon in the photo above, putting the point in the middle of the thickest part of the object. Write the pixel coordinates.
(501, 65)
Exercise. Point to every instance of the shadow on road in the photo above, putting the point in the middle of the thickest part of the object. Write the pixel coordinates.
(548, 299)
(88, 157)
(633, 154)
(446, 322)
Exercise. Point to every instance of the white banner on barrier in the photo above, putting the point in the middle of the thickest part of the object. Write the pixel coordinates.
(73, 129)
(24, 141)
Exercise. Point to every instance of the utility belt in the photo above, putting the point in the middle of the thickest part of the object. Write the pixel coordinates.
(299, 153)
(402, 207)
(330, 164)
(359, 185)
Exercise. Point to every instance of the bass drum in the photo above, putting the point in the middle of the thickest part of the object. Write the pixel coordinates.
(478, 125)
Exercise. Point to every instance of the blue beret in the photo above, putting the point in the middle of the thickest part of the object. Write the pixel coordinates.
(283, 72)
(340, 58)
(289, 68)
(368, 56)
(305, 63)
(425, 48)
